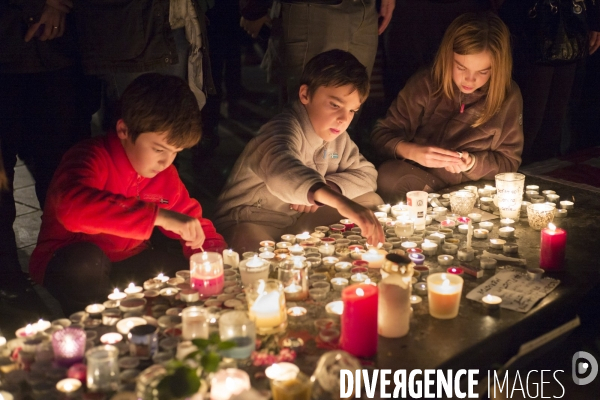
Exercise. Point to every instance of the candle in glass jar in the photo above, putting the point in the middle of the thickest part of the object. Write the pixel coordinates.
(552, 248)
(228, 382)
(206, 270)
(266, 305)
(359, 320)
(394, 306)
(444, 291)
(375, 257)
(194, 322)
(429, 248)
(326, 249)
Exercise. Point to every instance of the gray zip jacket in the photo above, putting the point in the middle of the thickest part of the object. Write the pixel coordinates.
(281, 165)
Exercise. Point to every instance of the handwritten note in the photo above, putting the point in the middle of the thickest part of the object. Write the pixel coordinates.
(517, 290)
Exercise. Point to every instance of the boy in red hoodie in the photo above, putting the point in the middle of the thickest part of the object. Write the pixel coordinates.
(109, 193)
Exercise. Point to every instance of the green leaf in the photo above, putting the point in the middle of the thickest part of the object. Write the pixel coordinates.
(210, 362)
(226, 345)
(193, 355)
(201, 343)
(164, 388)
(214, 338)
(184, 382)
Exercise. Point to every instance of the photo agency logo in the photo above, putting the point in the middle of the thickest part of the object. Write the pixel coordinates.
(431, 383)
(584, 368)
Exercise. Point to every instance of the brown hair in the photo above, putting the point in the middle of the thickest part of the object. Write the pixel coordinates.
(159, 103)
(335, 68)
(473, 33)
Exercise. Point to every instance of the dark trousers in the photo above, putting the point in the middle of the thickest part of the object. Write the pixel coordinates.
(42, 115)
(81, 274)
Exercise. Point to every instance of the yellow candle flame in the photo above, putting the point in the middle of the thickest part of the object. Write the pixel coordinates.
(116, 290)
(360, 292)
(446, 283)
(551, 226)
(131, 285)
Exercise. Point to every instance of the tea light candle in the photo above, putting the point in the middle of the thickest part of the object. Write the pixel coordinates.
(497, 243)
(506, 232)
(480, 233)
(343, 266)
(529, 193)
(552, 248)
(232, 258)
(507, 222)
(408, 245)
(567, 205)
(535, 199)
(67, 386)
(116, 295)
(560, 213)
(455, 271)
(414, 299)
(95, 310)
(444, 291)
(420, 288)
(475, 217)
(133, 289)
(339, 283)
(375, 257)
(296, 250)
(399, 209)
(417, 258)
(553, 198)
(532, 187)
(386, 208)
(302, 237)
(296, 311)
(359, 320)
(326, 249)
(510, 248)
(463, 229)
(466, 254)
(228, 383)
(445, 259)
(429, 248)
(125, 325)
(547, 192)
(329, 262)
(491, 302)
(111, 338)
(448, 224)
(486, 225)
(487, 263)
(449, 248)
(535, 273)
(437, 238)
(359, 277)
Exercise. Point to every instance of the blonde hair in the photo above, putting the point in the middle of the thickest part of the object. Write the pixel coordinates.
(473, 34)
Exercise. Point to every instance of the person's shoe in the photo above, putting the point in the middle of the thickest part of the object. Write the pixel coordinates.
(17, 291)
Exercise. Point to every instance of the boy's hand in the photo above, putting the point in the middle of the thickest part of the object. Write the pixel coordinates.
(53, 22)
(185, 226)
(428, 156)
(304, 209)
(365, 219)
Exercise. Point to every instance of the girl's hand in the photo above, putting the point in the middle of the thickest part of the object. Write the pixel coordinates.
(594, 41)
(304, 209)
(53, 22)
(462, 166)
(428, 156)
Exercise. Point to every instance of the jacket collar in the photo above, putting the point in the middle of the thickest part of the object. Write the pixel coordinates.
(119, 156)
(314, 141)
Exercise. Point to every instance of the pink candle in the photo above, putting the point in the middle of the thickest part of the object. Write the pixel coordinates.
(207, 287)
(552, 248)
(359, 320)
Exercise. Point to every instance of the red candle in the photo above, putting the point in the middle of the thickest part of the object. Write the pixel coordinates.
(552, 248)
(360, 263)
(455, 271)
(414, 250)
(208, 286)
(347, 224)
(359, 320)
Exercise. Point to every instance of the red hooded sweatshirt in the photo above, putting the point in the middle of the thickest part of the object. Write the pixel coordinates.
(96, 196)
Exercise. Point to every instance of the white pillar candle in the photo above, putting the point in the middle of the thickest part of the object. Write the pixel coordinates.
(232, 258)
(444, 291)
(393, 314)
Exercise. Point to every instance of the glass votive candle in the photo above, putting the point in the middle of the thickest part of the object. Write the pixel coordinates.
(536, 199)
(69, 346)
(408, 245)
(540, 215)
(417, 258)
(102, 369)
(266, 305)
(206, 273)
(111, 316)
(253, 269)
(329, 262)
(339, 283)
(227, 383)
(293, 275)
(95, 310)
(445, 259)
(321, 285)
(385, 208)
(237, 327)
(337, 228)
(547, 192)
(116, 295)
(404, 227)
(317, 294)
(143, 341)
(529, 193)
(359, 278)
(318, 276)
(444, 292)
(343, 266)
(194, 323)
(133, 305)
(314, 261)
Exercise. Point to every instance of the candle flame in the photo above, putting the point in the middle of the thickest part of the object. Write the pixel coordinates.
(551, 226)
(68, 387)
(131, 286)
(446, 283)
(116, 290)
(360, 292)
(29, 329)
(426, 241)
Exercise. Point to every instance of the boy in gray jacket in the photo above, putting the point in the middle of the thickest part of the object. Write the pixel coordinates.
(303, 170)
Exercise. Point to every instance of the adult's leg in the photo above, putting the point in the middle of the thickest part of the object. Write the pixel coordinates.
(397, 177)
(326, 215)
(78, 275)
(246, 236)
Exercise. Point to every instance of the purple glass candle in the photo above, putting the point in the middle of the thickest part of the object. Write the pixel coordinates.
(69, 346)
